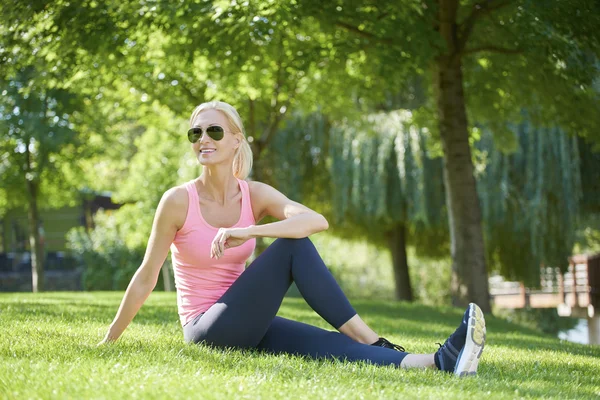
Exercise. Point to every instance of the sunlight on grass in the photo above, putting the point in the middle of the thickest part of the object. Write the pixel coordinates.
(48, 350)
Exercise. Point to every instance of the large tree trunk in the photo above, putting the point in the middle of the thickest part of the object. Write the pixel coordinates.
(397, 244)
(469, 273)
(35, 245)
(168, 285)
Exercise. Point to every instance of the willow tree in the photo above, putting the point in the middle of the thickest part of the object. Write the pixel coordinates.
(484, 61)
(589, 155)
(531, 202)
(373, 179)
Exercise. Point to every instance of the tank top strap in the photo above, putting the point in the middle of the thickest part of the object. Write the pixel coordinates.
(193, 200)
(247, 213)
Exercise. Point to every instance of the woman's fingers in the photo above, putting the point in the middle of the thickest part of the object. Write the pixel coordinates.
(224, 237)
(217, 248)
(213, 246)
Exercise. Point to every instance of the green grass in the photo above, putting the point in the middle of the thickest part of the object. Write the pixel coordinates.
(48, 350)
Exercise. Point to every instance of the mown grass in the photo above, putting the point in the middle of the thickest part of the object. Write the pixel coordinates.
(48, 350)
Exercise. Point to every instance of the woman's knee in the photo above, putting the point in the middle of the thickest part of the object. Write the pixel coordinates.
(293, 244)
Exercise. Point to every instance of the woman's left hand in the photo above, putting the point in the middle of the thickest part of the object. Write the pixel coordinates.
(227, 238)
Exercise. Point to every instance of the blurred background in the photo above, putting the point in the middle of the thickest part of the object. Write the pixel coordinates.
(454, 146)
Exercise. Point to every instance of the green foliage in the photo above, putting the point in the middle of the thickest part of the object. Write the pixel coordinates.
(429, 276)
(362, 269)
(38, 140)
(296, 159)
(588, 235)
(380, 171)
(364, 177)
(542, 319)
(530, 202)
(589, 157)
(162, 160)
(108, 260)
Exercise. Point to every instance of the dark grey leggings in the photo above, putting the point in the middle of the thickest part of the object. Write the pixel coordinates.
(244, 317)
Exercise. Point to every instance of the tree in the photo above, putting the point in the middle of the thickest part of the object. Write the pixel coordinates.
(45, 131)
(368, 179)
(531, 202)
(38, 139)
(485, 61)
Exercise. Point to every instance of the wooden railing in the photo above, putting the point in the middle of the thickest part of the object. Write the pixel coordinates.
(575, 293)
(578, 288)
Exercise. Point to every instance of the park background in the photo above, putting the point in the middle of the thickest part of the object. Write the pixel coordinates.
(446, 141)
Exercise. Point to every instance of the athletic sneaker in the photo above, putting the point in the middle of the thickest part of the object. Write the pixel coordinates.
(461, 351)
(383, 342)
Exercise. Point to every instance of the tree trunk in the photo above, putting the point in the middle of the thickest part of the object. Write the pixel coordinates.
(397, 244)
(35, 245)
(469, 274)
(168, 286)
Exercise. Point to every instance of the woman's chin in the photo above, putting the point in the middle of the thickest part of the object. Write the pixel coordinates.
(207, 160)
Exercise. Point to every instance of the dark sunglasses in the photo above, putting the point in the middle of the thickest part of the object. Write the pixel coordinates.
(215, 132)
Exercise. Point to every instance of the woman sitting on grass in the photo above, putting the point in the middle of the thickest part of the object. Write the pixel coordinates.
(210, 225)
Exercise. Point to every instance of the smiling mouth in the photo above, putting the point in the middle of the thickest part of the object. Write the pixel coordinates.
(207, 151)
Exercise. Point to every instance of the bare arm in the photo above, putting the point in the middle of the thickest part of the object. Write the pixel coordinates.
(164, 228)
(295, 219)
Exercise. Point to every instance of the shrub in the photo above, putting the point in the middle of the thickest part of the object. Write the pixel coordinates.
(108, 262)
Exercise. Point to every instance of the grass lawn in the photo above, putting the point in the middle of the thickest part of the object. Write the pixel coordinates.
(48, 350)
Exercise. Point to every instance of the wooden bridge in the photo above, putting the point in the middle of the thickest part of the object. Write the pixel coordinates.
(575, 293)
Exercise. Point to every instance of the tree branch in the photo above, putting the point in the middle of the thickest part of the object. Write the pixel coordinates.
(479, 10)
(494, 49)
(363, 33)
(274, 118)
(195, 99)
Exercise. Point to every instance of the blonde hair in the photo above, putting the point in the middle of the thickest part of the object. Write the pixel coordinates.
(242, 161)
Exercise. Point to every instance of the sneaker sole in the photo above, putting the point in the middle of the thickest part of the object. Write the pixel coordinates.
(468, 358)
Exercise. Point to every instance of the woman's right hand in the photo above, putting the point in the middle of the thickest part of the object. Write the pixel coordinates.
(107, 340)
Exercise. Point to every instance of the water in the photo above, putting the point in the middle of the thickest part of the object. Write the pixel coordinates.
(579, 334)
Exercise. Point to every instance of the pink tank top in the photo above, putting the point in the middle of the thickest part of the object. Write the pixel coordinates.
(199, 279)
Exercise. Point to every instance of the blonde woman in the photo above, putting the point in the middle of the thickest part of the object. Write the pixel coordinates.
(211, 225)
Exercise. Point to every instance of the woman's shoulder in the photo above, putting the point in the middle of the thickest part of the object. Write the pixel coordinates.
(263, 192)
(256, 186)
(259, 190)
(177, 195)
(175, 205)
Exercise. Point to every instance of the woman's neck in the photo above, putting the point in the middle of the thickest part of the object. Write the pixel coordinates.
(218, 184)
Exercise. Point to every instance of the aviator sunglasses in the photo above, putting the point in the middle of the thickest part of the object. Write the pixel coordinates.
(215, 132)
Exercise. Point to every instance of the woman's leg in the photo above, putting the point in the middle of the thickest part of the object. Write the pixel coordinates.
(293, 337)
(459, 354)
(243, 314)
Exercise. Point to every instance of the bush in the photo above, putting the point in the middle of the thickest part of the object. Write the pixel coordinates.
(542, 319)
(430, 279)
(108, 262)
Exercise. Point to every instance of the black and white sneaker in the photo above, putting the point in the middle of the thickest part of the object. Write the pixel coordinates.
(383, 342)
(461, 351)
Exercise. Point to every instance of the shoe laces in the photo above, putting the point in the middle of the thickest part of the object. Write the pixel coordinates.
(383, 342)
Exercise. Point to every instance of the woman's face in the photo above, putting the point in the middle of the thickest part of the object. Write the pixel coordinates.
(210, 151)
